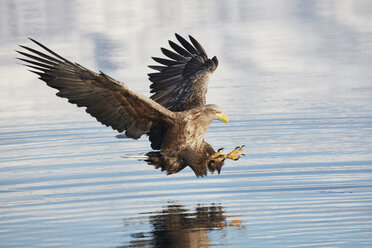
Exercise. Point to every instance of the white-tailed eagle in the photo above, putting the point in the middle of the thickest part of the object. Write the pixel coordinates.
(176, 117)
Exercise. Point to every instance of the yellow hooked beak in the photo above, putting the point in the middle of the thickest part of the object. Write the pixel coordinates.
(222, 117)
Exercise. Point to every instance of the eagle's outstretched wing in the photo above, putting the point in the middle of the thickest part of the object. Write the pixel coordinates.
(182, 80)
(109, 101)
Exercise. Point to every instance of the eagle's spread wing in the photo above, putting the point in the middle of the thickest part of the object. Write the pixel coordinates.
(109, 101)
(182, 80)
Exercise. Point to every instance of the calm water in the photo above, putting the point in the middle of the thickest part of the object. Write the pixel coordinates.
(294, 78)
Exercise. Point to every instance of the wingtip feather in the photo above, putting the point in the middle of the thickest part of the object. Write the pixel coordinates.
(197, 45)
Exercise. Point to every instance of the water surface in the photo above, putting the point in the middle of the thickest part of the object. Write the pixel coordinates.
(294, 78)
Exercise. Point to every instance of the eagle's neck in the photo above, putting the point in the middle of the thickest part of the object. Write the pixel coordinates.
(196, 125)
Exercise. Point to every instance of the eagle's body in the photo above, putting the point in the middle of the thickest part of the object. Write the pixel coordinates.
(176, 117)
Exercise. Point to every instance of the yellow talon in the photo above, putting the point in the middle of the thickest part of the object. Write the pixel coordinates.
(234, 154)
(217, 154)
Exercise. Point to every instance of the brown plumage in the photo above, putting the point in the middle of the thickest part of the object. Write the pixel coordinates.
(175, 118)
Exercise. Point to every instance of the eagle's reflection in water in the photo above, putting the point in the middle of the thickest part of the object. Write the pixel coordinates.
(176, 226)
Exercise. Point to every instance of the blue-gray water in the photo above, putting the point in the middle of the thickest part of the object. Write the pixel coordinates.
(294, 78)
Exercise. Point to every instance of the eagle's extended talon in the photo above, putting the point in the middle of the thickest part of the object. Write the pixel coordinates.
(234, 155)
(217, 154)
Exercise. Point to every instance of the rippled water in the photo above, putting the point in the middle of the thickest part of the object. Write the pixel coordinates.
(294, 79)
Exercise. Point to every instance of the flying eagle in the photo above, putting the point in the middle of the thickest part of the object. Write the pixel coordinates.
(176, 117)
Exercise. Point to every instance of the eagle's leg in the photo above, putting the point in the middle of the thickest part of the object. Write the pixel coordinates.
(217, 154)
(234, 155)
